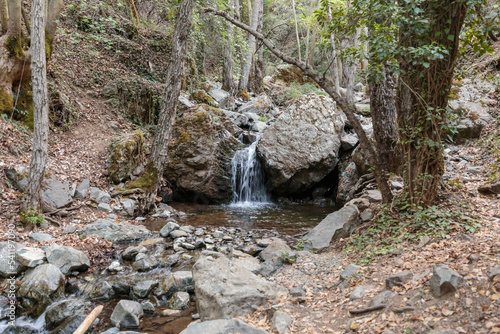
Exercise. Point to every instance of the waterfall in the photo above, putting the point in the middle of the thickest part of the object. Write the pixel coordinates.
(248, 177)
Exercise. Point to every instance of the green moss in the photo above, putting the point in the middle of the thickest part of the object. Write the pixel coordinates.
(48, 45)
(147, 181)
(202, 97)
(14, 45)
(184, 136)
(25, 104)
(6, 102)
(244, 95)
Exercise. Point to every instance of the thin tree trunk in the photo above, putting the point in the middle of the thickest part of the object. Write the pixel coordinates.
(296, 29)
(156, 166)
(227, 69)
(15, 17)
(334, 69)
(4, 16)
(247, 64)
(40, 108)
(53, 11)
(258, 62)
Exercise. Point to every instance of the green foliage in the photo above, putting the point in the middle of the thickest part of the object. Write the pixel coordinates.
(31, 217)
(285, 257)
(390, 228)
(300, 245)
(296, 90)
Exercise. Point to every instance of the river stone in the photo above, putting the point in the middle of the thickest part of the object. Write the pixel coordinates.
(41, 237)
(56, 193)
(131, 252)
(178, 234)
(222, 326)
(222, 97)
(30, 257)
(99, 196)
(40, 287)
(301, 147)
(350, 270)
(358, 293)
(259, 126)
(100, 291)
(169, 227)
(444, 279)
(336, 225)
(67, 259)
(143, 288)
(113, 231)
(224, 288)
(177, 281)
(398, 279)
(127, 314)
(199, 157)
(82, 189)
(179, 301)
(126, 154)
(60, 311)
(280, 322)
(381, 298)
(238, 119)
(276, 246)
(8, 251)
(145, 262)
(129, 206)
(260, 105)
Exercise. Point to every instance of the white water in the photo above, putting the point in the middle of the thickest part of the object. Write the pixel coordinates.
(36, 326)
(248, 178)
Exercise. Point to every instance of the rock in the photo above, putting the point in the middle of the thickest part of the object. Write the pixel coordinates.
(358, 293)
(127, 314)
(280, 322)
(18, 176)
(424, 241)
(129, 206)
(104, 207)
(40, 287)
(442, 331)
(297, 292)
(126, 154)
(367, 215)
(115, 267)
(225, 288)
(223, 98)
(347, 180)
(56, 193)
(222, 326)
(444, 280)
(270, 266)
(130, 252)
(82, 189)
(276, 245)
(199, 157)
(359, 158)
(374, 196)
(493, 188)
(99, 196)
(60, 311)
(348, 142)
(30, 257)
(336, 225)
(184, 104)
(148, 307)
(396, 185)
(260, 105)
(8, 251)
(494, 272)
(360, 203)
(179, 281)
(177, 234)
(399, 279)
(115, 232)
(69, 229)
(258, 126)
(100, 291)
(41, 237)
(381, 298)
(67, 259)
(145, 262)
(349, 271)
(170, 260)
(169, 227)
(69, 325)
(308, 134)
(143, 288)
(171, 313)
(240, 120)
(179, 301)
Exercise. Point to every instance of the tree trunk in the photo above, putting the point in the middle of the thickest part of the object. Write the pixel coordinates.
(258, 62)
(422, 97)
(383, 112)
(334, 68)
(14, 17)
(227, 69)
(247, 64)
(4, 16)
(296, 29)
(39, 153)
(53, 11)
(349, 67)
(155, 167)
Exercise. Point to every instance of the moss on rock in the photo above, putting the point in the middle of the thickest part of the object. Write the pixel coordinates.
(147, 181)
(14, 45)
(6, 102)
(201, 96)
(127, 154)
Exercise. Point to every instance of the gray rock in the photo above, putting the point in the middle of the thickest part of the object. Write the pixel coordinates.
(360, 203)
(398, 279)
(259, 126)
(82, 189)
(184, 104)
(358, 293)
(280, 322)
(494, 272)
(366, 215)
(100, 291)
(240, 120)
(381, 298)
(308, 134)
(374, 196)
(129, 206)
(130, 252)
(104, 207)
(222, 326)
(69, 229)
(145, 262)
(99, 196)
(225, 288)
(18, 176)
(148, 307)
(56, 193)
(70, 324)
(115, 267)
(40, 287)
(169, 227)
(336, 225)
(348, 142)
(8, 251)
(143, 288)
(222, 97)
(349, 271)
(297, 292)
(179, 281)
(444, 280)
(442, 331)
(348, 178)
(170, 260)
(270, 266)
(179, 301)
(276, 245)
(178, 234)
(31, 257)
(113, 216)
(67, 259)
(41, 237)
(127, 314)
(57, 313)
(126, 155)
(115, 232)
(188, 246)
(397, 185)
(260, 105)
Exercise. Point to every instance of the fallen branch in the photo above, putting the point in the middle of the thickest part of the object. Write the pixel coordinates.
(53, 221)
(368, 309)
(64, 209)
(89, 320)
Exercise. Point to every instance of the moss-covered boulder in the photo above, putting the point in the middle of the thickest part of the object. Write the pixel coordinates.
(202, 96)
(199, 157)
(126, 154)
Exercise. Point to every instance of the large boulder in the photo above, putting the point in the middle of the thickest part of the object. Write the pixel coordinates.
(225, 288)
(260, 105)
(199, 157)
(10, 264)
(126, 155)
(336, 225)
(301, 147)
(222, 97)
(67, 259)
(222, 326)
(40, 287)
(113, 231)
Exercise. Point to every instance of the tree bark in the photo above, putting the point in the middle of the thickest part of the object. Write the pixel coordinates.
(334, 68)
(4, 16)
(175, 71)
(348, 108)
(228, 63)
(258, 62)
(296, 29)
(39, 153)
(14, 17)
(247, 64)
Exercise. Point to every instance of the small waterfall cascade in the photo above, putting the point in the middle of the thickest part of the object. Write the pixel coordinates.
(248, 177)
